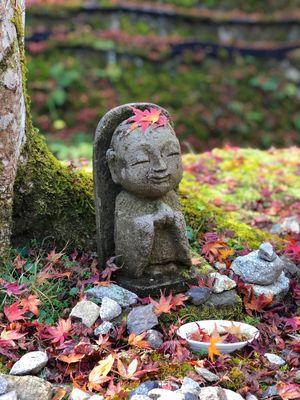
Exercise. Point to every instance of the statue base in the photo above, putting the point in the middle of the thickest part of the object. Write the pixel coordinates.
(152, 285)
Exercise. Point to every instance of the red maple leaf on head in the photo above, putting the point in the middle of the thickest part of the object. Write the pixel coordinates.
(146, 118)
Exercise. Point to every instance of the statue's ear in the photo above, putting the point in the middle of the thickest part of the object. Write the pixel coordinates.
(112, 164)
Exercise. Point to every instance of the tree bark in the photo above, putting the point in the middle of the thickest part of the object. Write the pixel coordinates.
(12, 110)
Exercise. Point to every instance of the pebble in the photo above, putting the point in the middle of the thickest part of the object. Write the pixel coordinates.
(144, 388)
(109, 309)
(9, 396)
(103, 328)
(266, 252)
(190, 386)
(251, 397)
(278, 289)
(3, 385)
(78, 394)
(164, 394)
(140, 397)
(229, 298)
(270, 392)
(31, 363)
(199, 295)
(206, 374)
(122, 296)
(222, 283)
(291, 224)
(230, 395)
(86, 311)
(96, 397)
(141, 319)
(274, 359)
(191, 396)
(212, 393)
(154, 338)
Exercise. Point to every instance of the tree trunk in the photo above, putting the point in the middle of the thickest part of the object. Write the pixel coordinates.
(12, 110)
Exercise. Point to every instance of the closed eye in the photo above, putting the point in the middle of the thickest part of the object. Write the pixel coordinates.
(175, 153)
(140, 162)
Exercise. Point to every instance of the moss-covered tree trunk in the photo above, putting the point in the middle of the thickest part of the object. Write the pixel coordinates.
(12, 111)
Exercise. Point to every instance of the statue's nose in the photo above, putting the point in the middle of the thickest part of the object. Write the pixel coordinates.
(159, 164)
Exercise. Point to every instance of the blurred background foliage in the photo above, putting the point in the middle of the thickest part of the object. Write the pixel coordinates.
(228, 71)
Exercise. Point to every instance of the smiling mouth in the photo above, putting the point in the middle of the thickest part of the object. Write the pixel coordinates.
(160, 179)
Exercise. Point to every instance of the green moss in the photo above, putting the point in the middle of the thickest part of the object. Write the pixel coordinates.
(192, 313)
(6, 60)
(168, 369)
(236, 379)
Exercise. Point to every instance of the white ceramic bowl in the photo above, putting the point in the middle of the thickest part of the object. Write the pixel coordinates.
(185, 330)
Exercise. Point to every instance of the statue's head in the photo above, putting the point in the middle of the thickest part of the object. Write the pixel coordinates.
(145, 163)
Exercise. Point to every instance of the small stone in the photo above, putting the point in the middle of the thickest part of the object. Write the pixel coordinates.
(164, 394)
(191, 396)
(291, 224)
(266, 252)
(198, 295)
(31, 363)
(140, 397)
(141, 319)
(230, 395)
(103, 328)
(222, 283)
(212, 393)
(96, 397)
(206, 374)
(190, 386)
(3, 385)
(122, 296)
(252, 269)
(29, 387)
(109, 309)
(154, 338)
(221, 267)
(229, 298)
(9, 396)
(86, 311)
(78, 394)
(270, 392)
(144, 388)
(274, 359)
(290, 269)
(297, 376)
(277, 290)
(251, 397)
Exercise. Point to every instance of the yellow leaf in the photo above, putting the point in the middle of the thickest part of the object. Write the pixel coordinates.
(102, 369)
(212, 349)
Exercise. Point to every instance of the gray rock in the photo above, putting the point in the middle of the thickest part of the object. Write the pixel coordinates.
(297, 376)
(290, 269)
(191, 396)
(270, 392)
(189, 386)
(144, 388)
(122, 296)
(251, 397)
(141, 319)
(206, 374)
(78, 394)
(96, 397)
(163, 394)
(222, 283)
(3, 385)
(86, 311)
(154, 338)
(198, 295)
(278, 289)
(291, 224)
(212, 393)
(9, 396)
(266, 252)
(274, 359)
(109, 309)
(230, 395)
(30, 363)
(29, 387)
(140, 397)
(103, 328)
(252, 269)
(229, 298)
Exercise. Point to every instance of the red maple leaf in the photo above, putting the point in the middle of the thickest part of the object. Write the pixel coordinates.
(110, 267)
(14, 312)
(12, 288)
(31, 304)
(179, 300)
(293, 250)
(164, 305)
(60, 332)
(288, 391)
(146, 118)
(8, 336)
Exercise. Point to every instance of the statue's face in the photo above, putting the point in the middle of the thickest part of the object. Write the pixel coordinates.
(147, 164)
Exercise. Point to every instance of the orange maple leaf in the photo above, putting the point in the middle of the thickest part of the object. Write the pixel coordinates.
(71, 358)
(59, 394)
(288, 391)
(31, 304)
(179, 300)
(146, 118)
(212, 348)
(164, 305)
(257, 303)
(59, 332)
(137, 341)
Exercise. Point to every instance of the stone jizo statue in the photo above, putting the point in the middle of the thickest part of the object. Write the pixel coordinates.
(137, 169)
